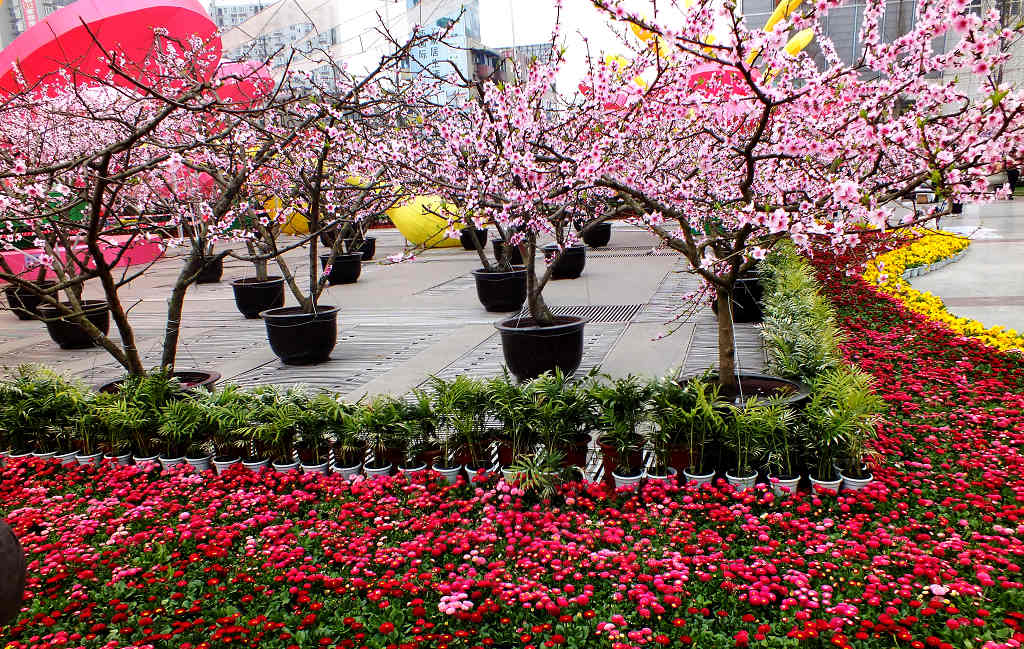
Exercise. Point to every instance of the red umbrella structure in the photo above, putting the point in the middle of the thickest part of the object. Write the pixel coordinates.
(62, 42)
(245, 82)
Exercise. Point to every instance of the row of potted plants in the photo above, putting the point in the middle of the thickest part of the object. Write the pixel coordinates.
(548, 424)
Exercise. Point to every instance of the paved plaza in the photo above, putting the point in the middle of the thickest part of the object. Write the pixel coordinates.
(400, 323)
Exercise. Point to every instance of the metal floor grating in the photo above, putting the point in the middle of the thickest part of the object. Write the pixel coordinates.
(631, 251)
(450, 286)
(594, 312)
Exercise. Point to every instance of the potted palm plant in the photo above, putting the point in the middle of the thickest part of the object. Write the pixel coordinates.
(382, 428)
(512, 406)
(564, 413)
(841, 408)
(622, 403)
(346, 424)
(783, 474)
(455, 426)
(747, 424)
(188, 427)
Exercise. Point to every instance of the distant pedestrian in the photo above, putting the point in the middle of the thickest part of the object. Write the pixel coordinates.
(12, 574)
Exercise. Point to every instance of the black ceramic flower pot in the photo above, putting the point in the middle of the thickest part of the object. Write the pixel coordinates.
(299, 338)
(571, 263)
(763, 386)
(466, 237)
(746, 300)
(501, 291)
(254, 295)
(368, 248)
(957, 208)
(25, 303)
(345, 269)
(531, 350)
(212, 270)
(67, 333)
(515, 254)
(597, 236)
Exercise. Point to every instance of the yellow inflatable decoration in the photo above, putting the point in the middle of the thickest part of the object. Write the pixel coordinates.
(419, 225)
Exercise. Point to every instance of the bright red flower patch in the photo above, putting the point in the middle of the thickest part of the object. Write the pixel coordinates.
(931, 555)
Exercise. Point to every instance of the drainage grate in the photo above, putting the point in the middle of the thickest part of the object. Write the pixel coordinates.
(595, 312)
(632, 251)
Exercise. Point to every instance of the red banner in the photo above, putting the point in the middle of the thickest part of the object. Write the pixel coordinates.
(29, 12)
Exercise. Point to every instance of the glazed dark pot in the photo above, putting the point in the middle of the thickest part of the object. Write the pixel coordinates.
(255, 295)
(571, 263)
(501, 291)
(13, 572)
(68, 334)
(368, 248)
(575, 451)
(515, 254)
(531, 350)
(299, 338)
(23, 302)
(598, 235)
(466, 237)
(746, 300)
(345, 268)
(189, 379)
(212, 270)
(764, 386)
(956, 208)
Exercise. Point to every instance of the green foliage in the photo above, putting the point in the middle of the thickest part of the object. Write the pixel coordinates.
(561, 410)
(538, 473)
(757, 426)
(840, 418)
(461, 408)
(133, 414)
(690, 414)
(512, 405)
(799, 325)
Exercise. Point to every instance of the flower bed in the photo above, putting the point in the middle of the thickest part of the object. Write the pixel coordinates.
(929, 556)
(887, 270)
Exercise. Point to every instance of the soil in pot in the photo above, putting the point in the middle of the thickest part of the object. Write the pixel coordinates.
(501, 291)
(299, 338)
(531, 350)
(25, 303)
(212, 270)
(68, 334)
(597, 236)
(515, 254)
(746, 300)
(253, 295)
(189, 380)
(571, 263)
(466, 237)
(345, 269)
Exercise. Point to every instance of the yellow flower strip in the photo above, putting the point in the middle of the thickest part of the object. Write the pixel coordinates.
(886, 273)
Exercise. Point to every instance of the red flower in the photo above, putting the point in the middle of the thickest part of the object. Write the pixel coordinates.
(386, 628)
(742, 639)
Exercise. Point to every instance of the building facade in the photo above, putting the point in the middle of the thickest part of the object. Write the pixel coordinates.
(275, 45)
(18, 15)
(842, 26)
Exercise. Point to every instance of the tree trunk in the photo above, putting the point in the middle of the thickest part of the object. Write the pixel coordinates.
(726, 344)
(175, 304)
(539, 311)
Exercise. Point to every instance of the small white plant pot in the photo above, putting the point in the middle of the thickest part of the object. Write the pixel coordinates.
(49, 455)
(93, 459)
(321, 469)
(255, 466)
(170, 462)
(856, 484)
(200, 463)
(67, 458)
(123, 459)
(662, 478)
(742, 483)
(374, 473)
(451, 474)
(348, 472)
(783, 487)
(145, 461)
(699, 479)
(826, 486)
(287, 467)
(627, 480)
(413, 469)
(508, 475)
(19, 456)
(220, 466)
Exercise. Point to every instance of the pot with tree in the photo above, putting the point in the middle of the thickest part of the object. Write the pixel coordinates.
(622, 407)
(735, 163)
(262, 291)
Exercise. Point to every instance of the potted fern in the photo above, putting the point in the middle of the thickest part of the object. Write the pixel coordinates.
(512, 406)
(564, 414)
